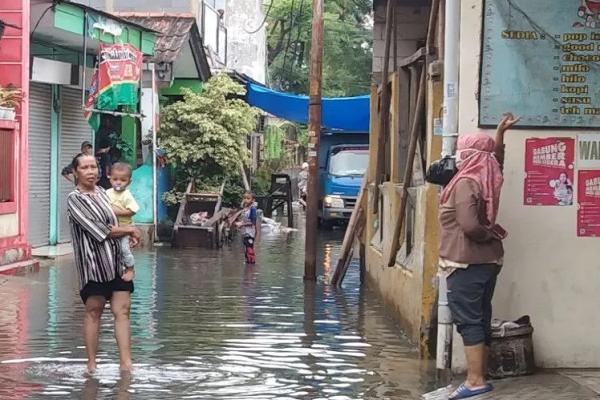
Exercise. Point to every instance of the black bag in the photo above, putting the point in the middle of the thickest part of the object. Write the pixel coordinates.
(442, 171)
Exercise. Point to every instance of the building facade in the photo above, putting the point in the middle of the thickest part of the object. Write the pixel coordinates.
(14, 70)
(232, 31)
(550, 268)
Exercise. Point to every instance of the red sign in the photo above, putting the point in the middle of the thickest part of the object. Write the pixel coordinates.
(119, 73)
(588, 196)
(549, 173)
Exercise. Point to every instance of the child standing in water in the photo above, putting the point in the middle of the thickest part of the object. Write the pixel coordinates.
(125, 207)
(247, 226)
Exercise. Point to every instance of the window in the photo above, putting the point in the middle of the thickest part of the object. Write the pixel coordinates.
(409, 221)
(349, 162)
(7, 171)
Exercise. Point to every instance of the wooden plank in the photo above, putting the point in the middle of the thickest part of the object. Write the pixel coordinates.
(385, 102)
(357, 218)
(414, 58)
(412, 149)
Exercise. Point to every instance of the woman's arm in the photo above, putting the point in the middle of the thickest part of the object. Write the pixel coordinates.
(120, 212)
(99, 230)
(508, 120)
(466, 202)
(131, 231)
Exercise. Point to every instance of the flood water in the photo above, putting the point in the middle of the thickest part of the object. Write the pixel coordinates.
(206, 326)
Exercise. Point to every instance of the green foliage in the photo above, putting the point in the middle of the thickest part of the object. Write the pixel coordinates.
(124, 149)
(261, 183)
(273, 147)
(347, 46)
(303, 136)
(204, 135)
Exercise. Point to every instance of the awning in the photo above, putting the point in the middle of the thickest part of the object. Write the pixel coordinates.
(349, 114)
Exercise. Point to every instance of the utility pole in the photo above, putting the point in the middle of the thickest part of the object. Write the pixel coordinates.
(314, 133)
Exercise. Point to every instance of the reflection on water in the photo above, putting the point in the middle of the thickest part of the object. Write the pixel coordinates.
(205, 326)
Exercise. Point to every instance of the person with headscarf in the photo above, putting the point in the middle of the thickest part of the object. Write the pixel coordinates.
(471, 251)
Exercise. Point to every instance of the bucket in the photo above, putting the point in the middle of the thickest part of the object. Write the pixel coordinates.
(511, 352)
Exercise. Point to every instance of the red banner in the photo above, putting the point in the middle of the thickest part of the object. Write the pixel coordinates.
(119, 72)
(549, 173)
(588, 197)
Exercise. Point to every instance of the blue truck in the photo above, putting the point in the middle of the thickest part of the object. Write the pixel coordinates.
(343, 161)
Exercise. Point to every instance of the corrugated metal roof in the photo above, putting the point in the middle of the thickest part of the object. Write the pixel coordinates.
(173, 32)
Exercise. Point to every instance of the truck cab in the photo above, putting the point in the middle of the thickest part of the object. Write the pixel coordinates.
(343, 167)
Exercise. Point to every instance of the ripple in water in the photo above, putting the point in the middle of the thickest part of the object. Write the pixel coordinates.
(205, 326)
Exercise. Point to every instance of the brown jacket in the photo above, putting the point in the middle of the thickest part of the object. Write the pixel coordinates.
(463, 237)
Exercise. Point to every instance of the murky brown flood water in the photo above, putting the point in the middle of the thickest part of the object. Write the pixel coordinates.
(205, 326)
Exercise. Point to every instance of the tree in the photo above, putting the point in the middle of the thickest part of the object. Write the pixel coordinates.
(204, 136)
(348, 46)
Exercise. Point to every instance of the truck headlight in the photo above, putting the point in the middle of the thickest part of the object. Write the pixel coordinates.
(333, 202)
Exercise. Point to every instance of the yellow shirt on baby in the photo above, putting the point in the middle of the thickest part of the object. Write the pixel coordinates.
(124, 200)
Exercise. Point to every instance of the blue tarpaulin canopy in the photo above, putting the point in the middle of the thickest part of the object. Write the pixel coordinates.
(350, 114)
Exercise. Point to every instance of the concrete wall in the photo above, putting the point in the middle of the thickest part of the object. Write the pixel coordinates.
(549, 272)
(412, 28)
(9, 225)
(246, 53)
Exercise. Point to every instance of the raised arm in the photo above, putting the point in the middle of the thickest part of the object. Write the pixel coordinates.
(508, 120)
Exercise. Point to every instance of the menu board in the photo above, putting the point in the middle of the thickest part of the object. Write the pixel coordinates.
(588, 197)
(541, 60)
(549, 172)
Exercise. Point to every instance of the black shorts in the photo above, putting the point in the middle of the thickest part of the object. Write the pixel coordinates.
(105, 289)
(470, 293)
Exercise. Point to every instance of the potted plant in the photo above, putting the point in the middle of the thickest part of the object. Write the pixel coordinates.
(10, 99)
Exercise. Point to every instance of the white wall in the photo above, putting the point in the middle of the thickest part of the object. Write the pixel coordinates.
(549, 272)
(246, 53)
(9, 225)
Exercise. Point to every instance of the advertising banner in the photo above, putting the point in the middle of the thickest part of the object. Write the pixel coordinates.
(549, 172)
(119, 71)
(588, 151)
(540, 59)
(588, 197)
(115, 82)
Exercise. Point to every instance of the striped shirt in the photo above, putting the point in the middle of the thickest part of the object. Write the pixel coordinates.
(97, 256)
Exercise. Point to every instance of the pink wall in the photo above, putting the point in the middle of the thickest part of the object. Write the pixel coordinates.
(14, 69)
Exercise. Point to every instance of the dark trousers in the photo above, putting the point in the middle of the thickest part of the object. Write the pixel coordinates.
(470, 293)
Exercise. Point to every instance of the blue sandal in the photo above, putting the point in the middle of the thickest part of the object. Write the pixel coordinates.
(463, 392)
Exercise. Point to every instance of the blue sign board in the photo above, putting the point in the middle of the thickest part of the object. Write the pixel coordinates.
(541, 61)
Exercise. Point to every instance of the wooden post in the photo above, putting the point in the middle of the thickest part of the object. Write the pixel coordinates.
(385, 103)
(244, 177)
(314, 133)
(408, 171)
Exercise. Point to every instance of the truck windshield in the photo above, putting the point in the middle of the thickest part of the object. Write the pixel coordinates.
(349, 162)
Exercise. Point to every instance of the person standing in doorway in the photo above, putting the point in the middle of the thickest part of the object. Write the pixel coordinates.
(104, 149)
(67, 172)
(102, 276)
(471, 251)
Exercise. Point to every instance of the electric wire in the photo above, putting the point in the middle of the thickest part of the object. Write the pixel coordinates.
(37, 24)
(264, 20)
(289, 38)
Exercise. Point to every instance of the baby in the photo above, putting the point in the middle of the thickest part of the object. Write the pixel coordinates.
(125, 207)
